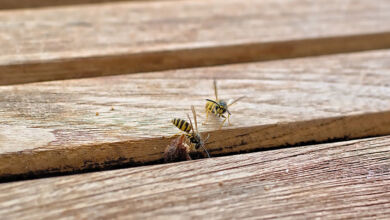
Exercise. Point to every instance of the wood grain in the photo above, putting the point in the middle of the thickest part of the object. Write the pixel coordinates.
(54, 126)
(332, 181)
(17, 4)
(130, 37)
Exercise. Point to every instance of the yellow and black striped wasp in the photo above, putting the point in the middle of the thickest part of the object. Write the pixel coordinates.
(192, 135)
(219, 107)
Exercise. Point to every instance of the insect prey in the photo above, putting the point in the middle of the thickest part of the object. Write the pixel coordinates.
(177, 150)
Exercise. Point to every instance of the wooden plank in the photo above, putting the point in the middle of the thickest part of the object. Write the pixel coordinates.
(68, 126)
(333, 181)
(12, 4)
(109, 39)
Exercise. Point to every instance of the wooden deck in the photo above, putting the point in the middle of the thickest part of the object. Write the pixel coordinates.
(93, 87)
(288, 102)
(339, 180)
(130, 37)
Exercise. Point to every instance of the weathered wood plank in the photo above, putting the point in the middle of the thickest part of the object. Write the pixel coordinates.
(53, 126)
(17, 4)
(96, 40)
(333, 181)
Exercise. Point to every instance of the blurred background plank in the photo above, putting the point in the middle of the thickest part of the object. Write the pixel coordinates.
(16, 4)
(70, 125)
(129, 37)
(333, 181)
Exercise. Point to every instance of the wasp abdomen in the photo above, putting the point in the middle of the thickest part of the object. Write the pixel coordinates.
(182, 124)
(211, 106)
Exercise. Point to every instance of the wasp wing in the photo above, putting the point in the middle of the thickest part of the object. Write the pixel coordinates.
(192, 127)
(215, 89)
(236, 100)
(195, 121)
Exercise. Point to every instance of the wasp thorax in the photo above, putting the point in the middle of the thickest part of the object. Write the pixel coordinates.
(221, 107)
(223, 103)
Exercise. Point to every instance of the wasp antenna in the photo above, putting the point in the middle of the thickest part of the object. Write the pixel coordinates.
(209, 100)
(206, 151)
(205, 141)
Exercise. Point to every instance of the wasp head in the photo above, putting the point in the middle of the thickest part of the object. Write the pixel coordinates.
(222, 107)
(199, 142)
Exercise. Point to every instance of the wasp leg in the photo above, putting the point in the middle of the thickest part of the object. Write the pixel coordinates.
(175, 135)
(207, 116)
(228, 117)
(220, 127)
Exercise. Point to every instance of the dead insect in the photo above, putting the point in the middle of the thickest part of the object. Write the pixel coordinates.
(177, 150)
(192, 135)
(219, 107)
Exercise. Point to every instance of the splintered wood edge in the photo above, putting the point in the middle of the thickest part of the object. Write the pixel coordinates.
(129, 153)
(116, 64)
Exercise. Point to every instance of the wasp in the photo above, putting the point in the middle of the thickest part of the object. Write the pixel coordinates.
(219, 107)
(192, 134)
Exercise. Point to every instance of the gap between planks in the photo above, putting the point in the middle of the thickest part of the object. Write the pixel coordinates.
(288, 102)
(131, 37)
(339, 180)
